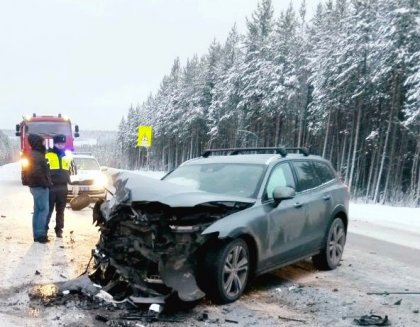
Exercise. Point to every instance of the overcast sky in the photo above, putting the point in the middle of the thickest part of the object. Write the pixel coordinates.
(91, 59)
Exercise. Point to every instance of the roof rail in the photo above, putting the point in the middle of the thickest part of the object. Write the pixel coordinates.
(277, 150)
(235, 151)
(304, 151)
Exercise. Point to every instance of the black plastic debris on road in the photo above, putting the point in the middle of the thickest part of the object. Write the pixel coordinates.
(372, 320)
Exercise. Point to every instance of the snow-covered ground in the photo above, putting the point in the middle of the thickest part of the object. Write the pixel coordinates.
(397, 225)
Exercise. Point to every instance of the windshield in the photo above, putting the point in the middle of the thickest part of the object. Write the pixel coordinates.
(86, 164)
(51, 128)
(232, 179)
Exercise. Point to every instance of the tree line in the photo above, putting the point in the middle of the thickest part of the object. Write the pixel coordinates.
(345, 84)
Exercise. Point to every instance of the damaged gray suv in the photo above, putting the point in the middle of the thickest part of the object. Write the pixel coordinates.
(216, 221)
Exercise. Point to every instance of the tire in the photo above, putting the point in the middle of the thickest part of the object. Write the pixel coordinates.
(226, 271)
(330, 256)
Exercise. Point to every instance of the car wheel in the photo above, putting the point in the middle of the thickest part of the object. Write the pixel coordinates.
(330, 256)
(226, 271)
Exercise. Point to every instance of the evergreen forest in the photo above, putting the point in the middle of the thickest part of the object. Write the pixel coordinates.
(345, 84)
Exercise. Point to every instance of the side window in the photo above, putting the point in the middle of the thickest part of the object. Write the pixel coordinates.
(281, 175)
(324, 172)
(306, 175)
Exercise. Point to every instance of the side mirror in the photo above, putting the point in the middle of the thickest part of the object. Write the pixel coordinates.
(76, 130)
(17, 130)
(281, 193)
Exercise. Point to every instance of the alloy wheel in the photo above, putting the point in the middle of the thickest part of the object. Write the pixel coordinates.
(336, 241)
(235, 271)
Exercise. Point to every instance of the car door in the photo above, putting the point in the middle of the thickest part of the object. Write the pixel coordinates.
(285, 222)
(313, 202)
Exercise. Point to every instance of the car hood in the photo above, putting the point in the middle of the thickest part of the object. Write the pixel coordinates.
(83, 175)
(132, 187)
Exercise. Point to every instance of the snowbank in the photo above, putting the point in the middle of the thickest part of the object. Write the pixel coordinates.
(387, 216)
(10, 172)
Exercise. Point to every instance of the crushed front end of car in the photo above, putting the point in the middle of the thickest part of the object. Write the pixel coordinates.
(151, 238)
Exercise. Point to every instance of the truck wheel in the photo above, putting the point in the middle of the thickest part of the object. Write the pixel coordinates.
(330, 256)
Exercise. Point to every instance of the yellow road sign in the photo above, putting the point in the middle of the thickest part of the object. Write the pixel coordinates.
(144, 136)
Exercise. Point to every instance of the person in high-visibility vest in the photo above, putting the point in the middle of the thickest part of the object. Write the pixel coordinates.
(61, 166)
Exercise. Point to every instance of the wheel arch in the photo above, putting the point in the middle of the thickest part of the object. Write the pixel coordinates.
(253, 252)
(340, 212)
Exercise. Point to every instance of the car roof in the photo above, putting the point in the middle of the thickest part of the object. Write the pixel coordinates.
(261, 159)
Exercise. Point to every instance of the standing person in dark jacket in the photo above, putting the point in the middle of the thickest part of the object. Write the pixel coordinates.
(38, 179)
(60, 167)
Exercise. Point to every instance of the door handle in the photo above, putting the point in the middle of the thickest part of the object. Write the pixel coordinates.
(326, 197)
(298, 205)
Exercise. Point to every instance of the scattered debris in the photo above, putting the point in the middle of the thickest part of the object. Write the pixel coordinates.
(45, 293)
(146, 316)
(372, 320)
(203, 317)
(388, 293)
(71, 237)
(37, 272)
(62, 276)
(231, 321)
(66, 292)
(291, 319)
(81, 284)
(3, 216)
(416, 311)
(398, 302)
(335, 290)
(101, 318)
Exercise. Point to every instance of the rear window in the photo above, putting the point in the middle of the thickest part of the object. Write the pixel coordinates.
(324, 172)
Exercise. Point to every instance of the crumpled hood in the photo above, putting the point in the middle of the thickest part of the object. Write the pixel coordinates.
(146, 189)
(131, 187)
